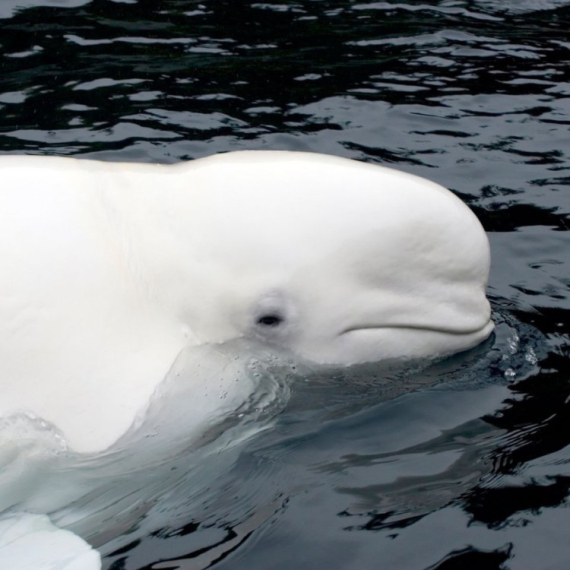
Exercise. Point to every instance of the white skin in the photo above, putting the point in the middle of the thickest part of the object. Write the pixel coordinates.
(31, 542)
(109, 270)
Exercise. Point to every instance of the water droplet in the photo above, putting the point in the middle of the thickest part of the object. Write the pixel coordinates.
(510, 374)
(530, 356)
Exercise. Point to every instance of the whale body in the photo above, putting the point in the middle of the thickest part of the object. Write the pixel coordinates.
(110, 270)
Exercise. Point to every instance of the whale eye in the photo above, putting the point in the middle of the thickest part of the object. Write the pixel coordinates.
(272, 317)
(270, 320)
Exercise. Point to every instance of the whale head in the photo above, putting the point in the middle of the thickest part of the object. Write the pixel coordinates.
(335, 261)
(112, 270)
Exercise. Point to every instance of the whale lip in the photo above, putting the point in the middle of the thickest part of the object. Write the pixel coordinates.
(396, 343)
(448, 339)
(440, 329)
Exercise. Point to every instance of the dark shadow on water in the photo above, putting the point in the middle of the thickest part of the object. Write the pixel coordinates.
(472, 559)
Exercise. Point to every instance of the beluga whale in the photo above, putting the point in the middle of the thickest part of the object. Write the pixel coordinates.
(109, 270)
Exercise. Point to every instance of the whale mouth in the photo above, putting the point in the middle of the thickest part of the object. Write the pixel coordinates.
(369, 342)
(457, 331)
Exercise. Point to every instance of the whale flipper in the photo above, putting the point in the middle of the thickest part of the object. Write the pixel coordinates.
(32, 542)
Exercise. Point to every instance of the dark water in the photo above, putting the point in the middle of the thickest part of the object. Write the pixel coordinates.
(473, 473)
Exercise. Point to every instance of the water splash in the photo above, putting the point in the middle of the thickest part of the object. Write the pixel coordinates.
(213, 399)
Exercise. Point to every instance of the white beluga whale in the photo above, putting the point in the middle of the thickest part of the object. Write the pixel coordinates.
(116, 277)
(110, 270)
